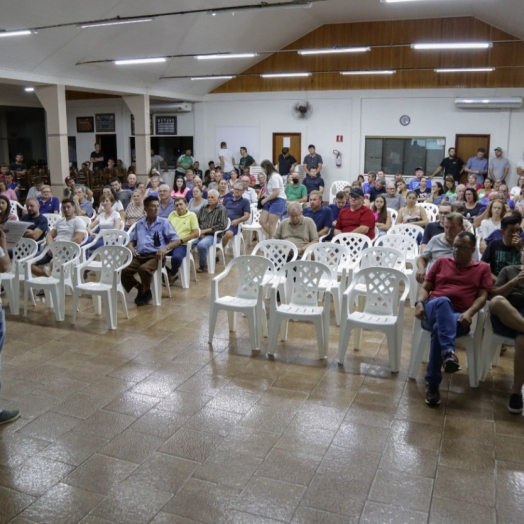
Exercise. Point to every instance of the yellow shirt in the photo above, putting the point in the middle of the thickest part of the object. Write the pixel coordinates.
(184, 225)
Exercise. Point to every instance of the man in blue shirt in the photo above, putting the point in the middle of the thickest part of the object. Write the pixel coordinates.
(340, 203)
(478, 165)
(238, 210)
(167, 205)
(83, 207)
(322, 216)
(314, 182)
(38, 223)
(48, 203)
(366, 186)
(151, 239)
(415, 182)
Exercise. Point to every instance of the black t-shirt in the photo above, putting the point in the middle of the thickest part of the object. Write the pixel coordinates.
(498, 256)
(432, 230)
(472, 213)
(452, 166)
(285, 163)
(39, 222)
(98, 165)
(374, 192)
(17, 167)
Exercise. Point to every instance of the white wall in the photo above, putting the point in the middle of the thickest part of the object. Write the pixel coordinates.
(357, 114)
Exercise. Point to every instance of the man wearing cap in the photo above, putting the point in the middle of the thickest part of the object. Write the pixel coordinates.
(478, 165)
(498, 166)
(415, 182)
(452, 165)
(356, 218)
(286, 162)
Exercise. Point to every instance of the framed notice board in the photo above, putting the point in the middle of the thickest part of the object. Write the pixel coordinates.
(105, 123)
(85, 124)
(165, 125)
(133, 124)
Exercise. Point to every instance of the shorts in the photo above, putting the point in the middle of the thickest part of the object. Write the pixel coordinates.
(276, 206)
(45, 260)
(233, 229)
(502, 330)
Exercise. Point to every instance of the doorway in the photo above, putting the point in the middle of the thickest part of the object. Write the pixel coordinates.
(108, 146)
(467, 145)
(291, 140)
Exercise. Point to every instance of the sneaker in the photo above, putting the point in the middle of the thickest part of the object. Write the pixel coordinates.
(202, 269)
(40, 293)
(432, 395)
(514, 404)
(451, 363)
(8, 416)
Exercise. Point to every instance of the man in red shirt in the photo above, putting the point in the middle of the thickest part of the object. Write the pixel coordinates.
(356, 218)
(454, 290)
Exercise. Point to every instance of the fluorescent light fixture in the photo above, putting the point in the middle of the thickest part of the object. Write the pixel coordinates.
(212, 77)
(466, 70)
(29, 89)
(263, 6)
(395, 1)
(225, 55)
(457, 45)
(114, 21)
(140, 61)
(20, 32)
(333, 50)
(376, 72)
(284, 75)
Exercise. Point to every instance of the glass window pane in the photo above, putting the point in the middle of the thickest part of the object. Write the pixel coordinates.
(373, 154)
(393, 155)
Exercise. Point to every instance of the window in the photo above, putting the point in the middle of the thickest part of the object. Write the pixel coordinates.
(403, 155)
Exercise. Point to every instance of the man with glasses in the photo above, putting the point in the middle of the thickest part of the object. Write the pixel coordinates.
(394, 200)
(356, 218)
(454, 290)
(48, 203)
(167, 206)
(435, 228)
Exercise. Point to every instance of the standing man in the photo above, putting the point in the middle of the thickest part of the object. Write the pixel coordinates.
(357, 218)
(238, 211)
(322, 216)
(227, 162)
(5, 265)
(453, 291)
(498, 166)
(124, 195)
(312, 160)
(18, 165)
(184, 163)
(97, 158)
(245, 159)
(452, 165)
(149, 242)
(478, 165)
(314, 182)
(157, 161)
(286, 163)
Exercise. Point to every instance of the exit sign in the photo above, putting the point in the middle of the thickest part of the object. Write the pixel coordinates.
(340, 138)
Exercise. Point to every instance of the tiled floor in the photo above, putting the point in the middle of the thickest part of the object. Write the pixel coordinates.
(148, 424)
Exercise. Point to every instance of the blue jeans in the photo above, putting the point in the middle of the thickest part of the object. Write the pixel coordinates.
(2, 339)
(202, 245)
(441, 320)
(177, 256)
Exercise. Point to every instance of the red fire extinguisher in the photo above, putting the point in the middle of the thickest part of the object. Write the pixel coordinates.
(338, 158)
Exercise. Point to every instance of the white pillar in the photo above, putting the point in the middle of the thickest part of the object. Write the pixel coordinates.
(139, 106)
(53, 99)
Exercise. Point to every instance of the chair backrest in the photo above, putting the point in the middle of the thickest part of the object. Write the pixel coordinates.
(411, 230)
(25, 247)
(251, 272)
(63, 252)
(255, 215)
(403, 243)
(355, 242)
(113, 258)
(431, 211)
(114, 237)
(302, 281)
(52, 219)
(336, 186)
(278, 251)
(394, 215)
(14, 207)
(380, 256)
(86, 220)
(328, 253)
(382, 289)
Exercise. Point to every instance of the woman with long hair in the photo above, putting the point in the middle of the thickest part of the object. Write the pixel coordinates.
(487, 189)
(472, 182)
(197, 201)
(423, 192)
(117, 205)
(5, 191)
(494, 214)
(5, 210)
(135, 210)
(412, 214)
(515, 191)
(180, 189)
(472, 206)
(155, 183)
(450, 187)
(108, 219)
(274, 201)
(382, 215)
(437, 194)
(402, 189)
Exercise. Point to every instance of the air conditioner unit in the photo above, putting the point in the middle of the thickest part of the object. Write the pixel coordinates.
(170, 107)
(509, 102)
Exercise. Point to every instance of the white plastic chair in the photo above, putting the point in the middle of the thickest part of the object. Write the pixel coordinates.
(394, 215)
(113, 259)
(25, 249)
(52, 219)
(215, 248)
(253, 225)
(185, 269)
(411, 230)
(335, 187)
(86, 219)
(333, 256)
(15, 206)
(356, 243)
(111, 237)
(279, 252)
(472, 343)
(383, 310)
(248, 299)
(65, 255)
(431, 211)
(302, 281)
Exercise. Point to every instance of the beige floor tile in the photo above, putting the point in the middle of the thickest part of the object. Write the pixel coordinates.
(447, 511)
(379, 513)
(312, 440)
(50, 426)
(468, 455)
(215, 421)
(104, 424)
(479, 431)
(73, 448)
(248, 441)
(361, 436)
(160, 423)
(80, 405)
(183, 402)
(12, 503)
(132, 404)
(132, 446)
(304, 515)
(191, 445)
(234, 400)
(409, 459)
(16, 449)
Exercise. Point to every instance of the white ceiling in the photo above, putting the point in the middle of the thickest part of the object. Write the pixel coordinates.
(51, 55)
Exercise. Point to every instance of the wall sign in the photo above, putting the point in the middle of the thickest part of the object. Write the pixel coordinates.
(85, 124)
(105, 123)
(166, 125)
(340, 138)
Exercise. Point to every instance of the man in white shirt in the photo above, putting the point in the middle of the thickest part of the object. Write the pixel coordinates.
(520, 167)
(157, 160)
(249, 193)
(227, 162)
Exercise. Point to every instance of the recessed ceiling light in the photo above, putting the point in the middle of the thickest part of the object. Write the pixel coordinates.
(140, 61)
(284, 75)
(29, 89)
(212, 77)
(225, 55)
(333, 50)
(466, 70)
(377, 72)
(114, 21)
(457, 45)
(20, 32)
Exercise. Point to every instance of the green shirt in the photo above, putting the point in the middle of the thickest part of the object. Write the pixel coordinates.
(186, 160)
(295, 193)
(246, 161)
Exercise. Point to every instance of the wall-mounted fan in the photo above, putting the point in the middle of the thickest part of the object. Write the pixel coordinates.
(302, 110)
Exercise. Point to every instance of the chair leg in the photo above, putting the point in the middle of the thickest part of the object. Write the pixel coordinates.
(75, 305)
(343, 341)
(211, 259)
(26, 294)
(274, 328)
(9, 291)
(110, 310)
(319, 326)
(394, 351)
(358, 331)
(53, 293)
(213, 314)
(97, 304)
(232, 320)
(337, 299)
(253, 332)
(124, 303)
(418, 348)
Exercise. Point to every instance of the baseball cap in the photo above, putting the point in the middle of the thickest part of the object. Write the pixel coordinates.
(69, 179)
(356, 191)
(419, 168)
(498, 149)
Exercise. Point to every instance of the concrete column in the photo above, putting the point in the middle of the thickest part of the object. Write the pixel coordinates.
(139, 106)
(53, 100)
(4, 146)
